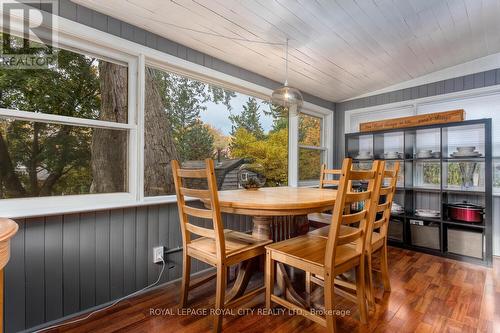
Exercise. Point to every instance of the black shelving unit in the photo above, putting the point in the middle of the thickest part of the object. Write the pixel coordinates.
(418, 187)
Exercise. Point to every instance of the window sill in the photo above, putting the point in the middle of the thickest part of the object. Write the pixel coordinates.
(37, 207)
(17, 208)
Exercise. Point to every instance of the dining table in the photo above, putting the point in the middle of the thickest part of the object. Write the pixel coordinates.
(267, 207)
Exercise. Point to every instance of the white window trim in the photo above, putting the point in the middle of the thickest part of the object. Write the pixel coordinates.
(323, 147)
(43, 206)
(79, 37)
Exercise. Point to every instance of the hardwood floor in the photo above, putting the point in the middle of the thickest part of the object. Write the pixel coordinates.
(429, 294)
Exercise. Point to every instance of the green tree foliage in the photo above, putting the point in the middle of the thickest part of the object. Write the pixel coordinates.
(196, 143)
(184, 100)
(279, 115)
(45, 156)
(249, 119)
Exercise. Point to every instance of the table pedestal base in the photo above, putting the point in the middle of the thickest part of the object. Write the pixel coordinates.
(277, 229)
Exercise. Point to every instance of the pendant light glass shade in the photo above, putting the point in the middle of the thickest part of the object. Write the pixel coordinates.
(288, 97)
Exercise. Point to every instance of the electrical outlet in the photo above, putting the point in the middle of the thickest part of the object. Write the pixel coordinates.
(158, 254)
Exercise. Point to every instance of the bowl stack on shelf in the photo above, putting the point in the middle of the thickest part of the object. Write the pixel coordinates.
(428, 153)
(364, 155)
(397, 209)
(427, 213)
(466, 151)
(393, 155)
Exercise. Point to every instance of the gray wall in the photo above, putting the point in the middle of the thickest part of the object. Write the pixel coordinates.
(462, 83)
(61, 265)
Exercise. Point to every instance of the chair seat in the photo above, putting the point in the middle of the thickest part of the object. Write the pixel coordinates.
(377, 239)
(239, 246)
(308, 253)
(320, 218)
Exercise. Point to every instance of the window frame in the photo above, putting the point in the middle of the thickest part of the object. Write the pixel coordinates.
(81, 38)
(322, 148)
(51, 205)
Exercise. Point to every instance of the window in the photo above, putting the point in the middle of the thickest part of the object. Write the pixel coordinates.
(478, 107)
(354, 118)
(189, 120)
(64, 129)
(311, 147)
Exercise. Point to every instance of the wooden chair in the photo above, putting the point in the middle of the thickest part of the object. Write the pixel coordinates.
(216, 246)
(318, 220)
(332, 256)
(376, 241)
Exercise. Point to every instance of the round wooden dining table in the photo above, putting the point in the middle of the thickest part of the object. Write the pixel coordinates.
(264, 205)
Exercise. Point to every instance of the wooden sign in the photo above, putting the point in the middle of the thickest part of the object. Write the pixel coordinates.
(412, 121)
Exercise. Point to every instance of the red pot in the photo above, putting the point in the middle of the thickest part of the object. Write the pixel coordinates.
(466, 212)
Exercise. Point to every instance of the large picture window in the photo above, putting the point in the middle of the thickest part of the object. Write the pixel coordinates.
(190, 121)
(63, 129)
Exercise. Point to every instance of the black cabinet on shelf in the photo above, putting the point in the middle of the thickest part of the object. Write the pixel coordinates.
(440, 165)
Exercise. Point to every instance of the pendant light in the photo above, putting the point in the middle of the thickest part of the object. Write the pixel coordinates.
(286, 96)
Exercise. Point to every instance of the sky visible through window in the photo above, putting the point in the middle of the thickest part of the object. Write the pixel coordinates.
(217, 114)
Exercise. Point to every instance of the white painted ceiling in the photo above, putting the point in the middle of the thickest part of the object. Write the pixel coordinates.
(338, 48)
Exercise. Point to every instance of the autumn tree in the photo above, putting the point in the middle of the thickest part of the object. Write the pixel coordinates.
(221, 142)
(270, 152)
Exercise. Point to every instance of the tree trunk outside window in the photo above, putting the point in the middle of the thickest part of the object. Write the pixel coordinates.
(109, 148)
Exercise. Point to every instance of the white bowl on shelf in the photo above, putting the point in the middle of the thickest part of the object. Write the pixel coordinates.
(424, 153)
(466, 149)
(392, 155)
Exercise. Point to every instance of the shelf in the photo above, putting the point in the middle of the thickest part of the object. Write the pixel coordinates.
(424, 189)
(426, 219)
(422, 185)
(468, 259)
(465, 224)
(430, 159)
(464, 159)
(458, 191)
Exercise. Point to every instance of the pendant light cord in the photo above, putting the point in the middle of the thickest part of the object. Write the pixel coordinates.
(286, 63)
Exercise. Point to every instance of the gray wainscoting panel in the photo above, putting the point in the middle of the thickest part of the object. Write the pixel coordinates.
(61, 265)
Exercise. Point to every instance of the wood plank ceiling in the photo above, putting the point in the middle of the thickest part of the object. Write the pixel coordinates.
(338, 49)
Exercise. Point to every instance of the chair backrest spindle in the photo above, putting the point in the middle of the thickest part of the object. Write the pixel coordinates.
(210, 199)
(383, 213)
(345, 196)
(324, 180)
